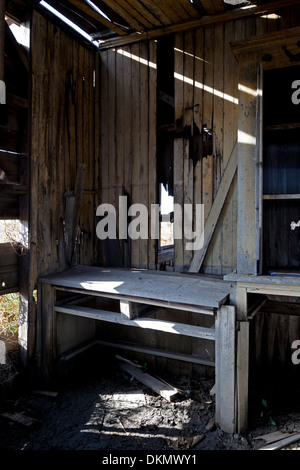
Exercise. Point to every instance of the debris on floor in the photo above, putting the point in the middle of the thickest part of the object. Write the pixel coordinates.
(112, 411)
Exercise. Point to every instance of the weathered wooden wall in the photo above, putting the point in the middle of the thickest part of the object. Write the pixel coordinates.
(206, 78)
(128, 134)
(206, 93)
(64, 135)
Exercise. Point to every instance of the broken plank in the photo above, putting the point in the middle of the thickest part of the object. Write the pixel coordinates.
(282, 443)
(45, 393)
(166, 391)
(20, 418)
(274, 436)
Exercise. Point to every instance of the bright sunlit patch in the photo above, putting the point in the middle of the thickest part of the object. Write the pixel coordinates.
(271, 16)
(97, 9)
(248, 7)
(136, 58)
(189, 54)
(244, 138)
(207, 88)
(248, 90)
(167, 201)
(129, 400)
(68, 22)
(106, 286)
(21, 33)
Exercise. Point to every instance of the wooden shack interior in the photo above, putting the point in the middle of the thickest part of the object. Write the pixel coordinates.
(135, 103)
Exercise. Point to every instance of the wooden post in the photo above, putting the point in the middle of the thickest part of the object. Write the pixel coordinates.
(46, 331)
(242, 379)
(2, 37)
(247, 163)
(225, 368)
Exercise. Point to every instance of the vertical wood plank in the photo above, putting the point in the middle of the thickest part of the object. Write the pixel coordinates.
(218, 138)
(119, 131)
(208, 161)
(230, 136)
(47, 330)
(247, 159)
(242, 376)
(128, 141)
(111, 126)
(225, 368)
(179, 146)
(144, 145)
(152, 164)
(136, 143)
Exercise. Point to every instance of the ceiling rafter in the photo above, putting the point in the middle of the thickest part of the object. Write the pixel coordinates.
(130, 7)
(123, 13)
(171, 13)
(260, 9)
(81, 5)
(157, 10)
(144, 11)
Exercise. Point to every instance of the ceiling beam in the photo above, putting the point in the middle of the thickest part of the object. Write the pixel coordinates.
(204, 21)
(81, 5)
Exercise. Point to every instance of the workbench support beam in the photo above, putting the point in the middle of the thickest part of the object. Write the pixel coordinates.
(225, 368)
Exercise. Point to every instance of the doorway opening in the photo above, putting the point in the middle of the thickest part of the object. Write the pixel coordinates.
(281, 171)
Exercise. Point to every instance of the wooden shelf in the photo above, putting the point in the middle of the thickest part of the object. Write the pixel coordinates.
(272, 197)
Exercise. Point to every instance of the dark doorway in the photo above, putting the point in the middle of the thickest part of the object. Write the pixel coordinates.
(281, 170)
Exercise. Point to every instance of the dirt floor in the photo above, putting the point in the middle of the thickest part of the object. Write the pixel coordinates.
(111, 411)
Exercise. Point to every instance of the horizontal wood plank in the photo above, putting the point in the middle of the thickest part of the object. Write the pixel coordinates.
(147, 323)
(126, 345)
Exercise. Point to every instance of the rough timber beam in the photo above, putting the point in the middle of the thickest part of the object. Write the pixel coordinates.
(204, 21)
(2, 37)
(89, 11)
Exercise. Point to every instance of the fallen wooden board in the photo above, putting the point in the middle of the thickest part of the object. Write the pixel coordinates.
(282, 443)
(165, 390)
(274, 436)
(45, 393)
(21, 419)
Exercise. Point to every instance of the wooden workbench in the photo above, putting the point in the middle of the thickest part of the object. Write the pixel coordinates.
(137, 293)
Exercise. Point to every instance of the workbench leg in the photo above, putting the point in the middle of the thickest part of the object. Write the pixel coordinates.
(225, 368)
(242, 368)
(46, 329)
(242, 379)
